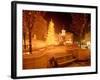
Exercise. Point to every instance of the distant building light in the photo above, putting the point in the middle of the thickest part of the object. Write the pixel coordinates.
(63, 32)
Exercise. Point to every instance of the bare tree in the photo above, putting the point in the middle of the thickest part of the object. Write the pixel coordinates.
(84, 25)
(28, 26)
(24, 30)
(31, 24)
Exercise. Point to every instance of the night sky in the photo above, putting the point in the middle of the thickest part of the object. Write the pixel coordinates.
(61, 20)
(71, 22)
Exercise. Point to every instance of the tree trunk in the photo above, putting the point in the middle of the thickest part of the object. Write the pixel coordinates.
(30, 42)
(24, 38)
(82, 29)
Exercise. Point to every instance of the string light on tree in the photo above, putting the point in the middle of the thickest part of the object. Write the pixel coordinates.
(51, 38)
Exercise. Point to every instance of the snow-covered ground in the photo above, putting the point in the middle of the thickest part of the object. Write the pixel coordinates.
(40, 57)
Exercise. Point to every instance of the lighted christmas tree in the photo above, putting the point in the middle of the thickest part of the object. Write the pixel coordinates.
(51, 39)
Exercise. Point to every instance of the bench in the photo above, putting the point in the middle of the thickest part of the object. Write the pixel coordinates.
(58, 61)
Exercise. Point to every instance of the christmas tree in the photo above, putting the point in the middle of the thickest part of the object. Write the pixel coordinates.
(51, 39)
